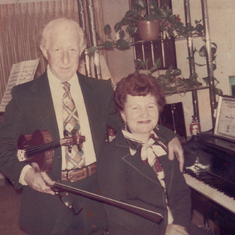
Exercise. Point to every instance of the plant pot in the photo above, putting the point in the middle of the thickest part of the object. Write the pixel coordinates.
(148, 30)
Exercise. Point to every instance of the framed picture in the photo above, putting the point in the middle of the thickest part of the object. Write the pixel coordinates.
(225, 118)
(232, 85)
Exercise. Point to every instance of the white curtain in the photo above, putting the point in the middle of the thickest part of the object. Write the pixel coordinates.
(20, 26)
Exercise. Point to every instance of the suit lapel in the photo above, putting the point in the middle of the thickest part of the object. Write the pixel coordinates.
(44, 108)
(88, 91)
(96, 116)
(135, 161)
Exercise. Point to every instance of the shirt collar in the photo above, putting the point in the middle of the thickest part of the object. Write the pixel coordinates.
(56, 81)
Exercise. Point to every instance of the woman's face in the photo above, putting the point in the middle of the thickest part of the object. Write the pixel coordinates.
(141, 115)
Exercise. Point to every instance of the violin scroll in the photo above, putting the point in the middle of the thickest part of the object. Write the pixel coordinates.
(78, 139)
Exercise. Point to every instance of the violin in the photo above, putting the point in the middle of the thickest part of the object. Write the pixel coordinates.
(38, 148)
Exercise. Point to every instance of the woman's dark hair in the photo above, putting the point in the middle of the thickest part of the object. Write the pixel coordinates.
(136, 84)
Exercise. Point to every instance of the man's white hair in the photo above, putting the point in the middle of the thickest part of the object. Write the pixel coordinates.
(57, 22)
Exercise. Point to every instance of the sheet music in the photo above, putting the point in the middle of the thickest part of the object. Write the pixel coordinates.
(20, 73)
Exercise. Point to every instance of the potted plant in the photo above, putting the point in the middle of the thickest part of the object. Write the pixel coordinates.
(150, 16)
(149, 19)
(169, 24)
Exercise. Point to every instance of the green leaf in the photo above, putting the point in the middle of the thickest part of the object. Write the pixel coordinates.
(176, 72)
(153, 69)
(107, 44)
(122, 44)
(194, 77)
(218, 91)
(152, 6)
(168, 71)
(158, 63)
(136, 16)
(131, 30)
(206, 80)
(162, 77)
(213, 44)
(117, 26)
(107, 29)
(197, 22)
(150, 17)
(202, 52)
(92, 49)
(129, 13)
(147, 61)
(124, 21)
(163, 13)
(140, 4)
(213, 51)
(140, 62)
(214, 67)
(121, 34)
(199, 29)
(215, 105)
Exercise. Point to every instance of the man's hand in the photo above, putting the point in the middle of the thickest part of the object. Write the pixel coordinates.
(39, 181)
(175, 149)
(175, 229)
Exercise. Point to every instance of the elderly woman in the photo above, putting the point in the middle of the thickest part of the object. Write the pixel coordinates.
(135, 169)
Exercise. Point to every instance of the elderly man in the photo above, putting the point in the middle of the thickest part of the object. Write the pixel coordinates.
(60, 101)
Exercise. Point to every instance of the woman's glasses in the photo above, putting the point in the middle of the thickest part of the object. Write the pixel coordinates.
(67, 200)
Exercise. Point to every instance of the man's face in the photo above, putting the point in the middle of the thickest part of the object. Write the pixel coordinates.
(63, 51)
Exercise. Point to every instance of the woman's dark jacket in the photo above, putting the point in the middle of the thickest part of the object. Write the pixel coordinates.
(128, 179)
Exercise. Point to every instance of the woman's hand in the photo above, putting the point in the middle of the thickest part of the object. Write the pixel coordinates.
(175, 229)
(39, 181)
(175, 149)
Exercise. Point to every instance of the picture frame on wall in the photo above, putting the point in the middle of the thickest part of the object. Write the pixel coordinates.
(225, 118)
(232, 85)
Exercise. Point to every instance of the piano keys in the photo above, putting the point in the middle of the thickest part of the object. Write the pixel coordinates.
(212, 181)
(211, 192)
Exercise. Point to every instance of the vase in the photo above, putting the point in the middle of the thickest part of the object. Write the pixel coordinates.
(148, 30)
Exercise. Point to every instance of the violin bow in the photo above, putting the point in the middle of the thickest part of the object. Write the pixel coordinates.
(151, 215)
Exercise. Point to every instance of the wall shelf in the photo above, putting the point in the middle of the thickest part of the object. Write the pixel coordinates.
(185, 90)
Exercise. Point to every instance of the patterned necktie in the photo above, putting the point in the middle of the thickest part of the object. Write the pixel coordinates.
(74, 156)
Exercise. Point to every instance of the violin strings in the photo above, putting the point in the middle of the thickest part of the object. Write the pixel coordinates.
(41, 147)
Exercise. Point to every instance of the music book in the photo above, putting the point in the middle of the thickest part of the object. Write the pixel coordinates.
(20, 73)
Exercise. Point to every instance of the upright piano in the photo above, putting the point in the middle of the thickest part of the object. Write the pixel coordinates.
(210, 173)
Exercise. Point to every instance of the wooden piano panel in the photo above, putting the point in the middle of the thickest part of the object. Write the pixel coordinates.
(223, 219)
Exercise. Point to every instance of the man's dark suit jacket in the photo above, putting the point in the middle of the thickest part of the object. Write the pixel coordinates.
(30, 109)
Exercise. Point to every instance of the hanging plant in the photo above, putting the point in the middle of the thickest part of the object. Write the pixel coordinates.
(171, 81)
(203, 53)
